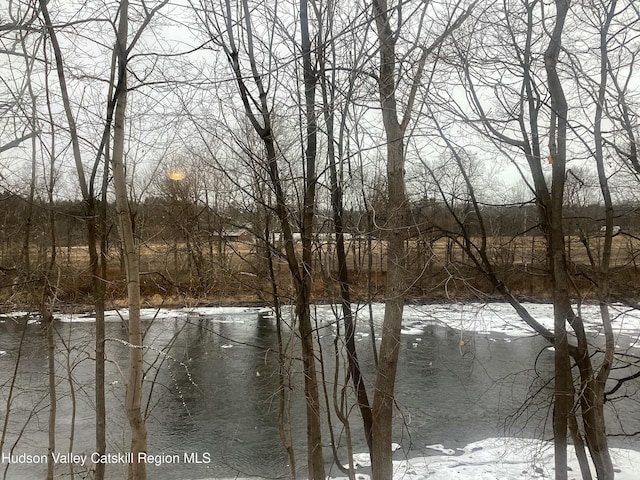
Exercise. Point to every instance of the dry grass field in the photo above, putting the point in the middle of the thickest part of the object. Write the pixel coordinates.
(228, 272)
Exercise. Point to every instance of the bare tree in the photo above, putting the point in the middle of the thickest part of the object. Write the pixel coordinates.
(133, 400)
(516, 123)
(20, 38)
(395, 123)
(96, 261)
(335, 154)
(116, 113)
(255, 100)
(557, 258)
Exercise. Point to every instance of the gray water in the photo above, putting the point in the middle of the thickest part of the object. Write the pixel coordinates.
(215, 394)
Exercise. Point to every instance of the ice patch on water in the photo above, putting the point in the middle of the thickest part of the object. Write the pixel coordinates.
(221, 314)
(498, 321)
(438, 447)
(495, 319)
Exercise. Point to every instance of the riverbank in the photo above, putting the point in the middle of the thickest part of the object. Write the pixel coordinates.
(176, 303)
(240, 275)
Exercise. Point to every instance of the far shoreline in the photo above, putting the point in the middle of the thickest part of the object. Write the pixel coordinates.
(85, 307)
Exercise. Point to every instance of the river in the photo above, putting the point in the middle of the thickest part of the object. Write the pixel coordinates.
(466, 373)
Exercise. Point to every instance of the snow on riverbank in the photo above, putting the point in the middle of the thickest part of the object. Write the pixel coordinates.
(475, 317)
(501, 318)
(494, 459)
(501, 459)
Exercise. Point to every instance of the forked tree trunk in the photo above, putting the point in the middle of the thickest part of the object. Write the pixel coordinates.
(563, 400)
(587, 400)
(594, 423)
(395, 126)
(260, 120)
(396, 283)
(98, 273)
(592, 383)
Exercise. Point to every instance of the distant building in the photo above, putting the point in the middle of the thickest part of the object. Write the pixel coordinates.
(616, 230)
(237, 235)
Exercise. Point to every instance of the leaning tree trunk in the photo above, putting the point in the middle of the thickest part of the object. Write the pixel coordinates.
(341, 252)
(259, 115)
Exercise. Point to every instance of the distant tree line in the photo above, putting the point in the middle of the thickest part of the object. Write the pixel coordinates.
(199, 244)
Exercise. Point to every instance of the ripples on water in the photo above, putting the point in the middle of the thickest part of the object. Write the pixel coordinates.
(216, 384)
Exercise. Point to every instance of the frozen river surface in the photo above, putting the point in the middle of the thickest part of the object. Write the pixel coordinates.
(473, 386)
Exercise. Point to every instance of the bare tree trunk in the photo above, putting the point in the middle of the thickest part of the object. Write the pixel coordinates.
(303, 307)
(395, 126)
(51, 363)
(284, 421)
(98, 273)
(595, 428)
(343, 269)
(588, 400)
(46, 311)
(260, 120)
(98, 263)
(99, 276)
(137, 470)
(26, 246)
(579, 446)
(556, 248)
(72, 397)
(10, 394)
(396, 283)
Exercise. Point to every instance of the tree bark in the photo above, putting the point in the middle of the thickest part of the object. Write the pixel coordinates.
(341, 253)
(396, 225)
(137, 470)
(563, 398)
(396, 283)
(314, 429)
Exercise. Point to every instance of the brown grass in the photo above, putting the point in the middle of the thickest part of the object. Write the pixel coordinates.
(238, 273)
